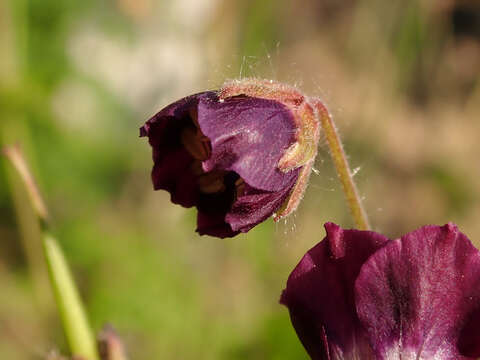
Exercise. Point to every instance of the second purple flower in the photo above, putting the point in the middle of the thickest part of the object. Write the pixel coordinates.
(359, 295)
(239, 155)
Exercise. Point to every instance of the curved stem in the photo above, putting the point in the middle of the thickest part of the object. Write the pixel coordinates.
(343, 169)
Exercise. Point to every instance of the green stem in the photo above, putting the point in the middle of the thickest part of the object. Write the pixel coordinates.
(343, 170)
(74, 321)
(30, 235)
(72, 314)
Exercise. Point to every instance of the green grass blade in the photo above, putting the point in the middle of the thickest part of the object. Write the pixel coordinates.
(72, 314)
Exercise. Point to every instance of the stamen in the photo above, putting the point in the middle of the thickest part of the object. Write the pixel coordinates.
(197, 146)
(239, 187)
(194, 117)
(212, 182)
(196, 168)
(205, 141)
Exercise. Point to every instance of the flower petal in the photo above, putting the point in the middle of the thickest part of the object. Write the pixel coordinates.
(172, 173)
(214, 225)
(171, 170)
(174, 113)
(222, 155)
(248, 136)
(212, 209)
(414, 295)
(320, 296)
(255, 206)
(469, 342)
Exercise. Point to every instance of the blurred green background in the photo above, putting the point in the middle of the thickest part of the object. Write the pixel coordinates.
(77, 80)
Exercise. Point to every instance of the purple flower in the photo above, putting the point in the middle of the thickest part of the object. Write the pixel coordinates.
(359, 295)
(239, 155)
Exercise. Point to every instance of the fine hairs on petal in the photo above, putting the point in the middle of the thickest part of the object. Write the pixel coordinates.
(302, 152)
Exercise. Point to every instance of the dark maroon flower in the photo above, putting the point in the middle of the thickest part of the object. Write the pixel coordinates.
(239, 155)
(359, 295)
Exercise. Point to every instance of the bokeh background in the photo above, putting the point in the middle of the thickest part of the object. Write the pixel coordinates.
(78, 78)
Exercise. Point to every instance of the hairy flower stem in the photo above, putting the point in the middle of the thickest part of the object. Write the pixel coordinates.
(74, 320)
(343, 170)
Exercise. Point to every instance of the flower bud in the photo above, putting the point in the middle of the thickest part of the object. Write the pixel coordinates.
(239, 155)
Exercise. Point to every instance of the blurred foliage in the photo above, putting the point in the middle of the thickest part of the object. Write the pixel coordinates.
(79, 78)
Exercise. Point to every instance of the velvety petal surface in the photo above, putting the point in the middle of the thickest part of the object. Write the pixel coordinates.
(212, 209)
(172, 173)
(255, 206)
(248, 136)
(172, 163)
(320, 294)
(415, 295)
(469, 341)
(174, 113)
(214, 225)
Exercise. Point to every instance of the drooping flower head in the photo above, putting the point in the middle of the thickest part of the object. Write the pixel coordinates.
(239, 155)
(359, 295)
